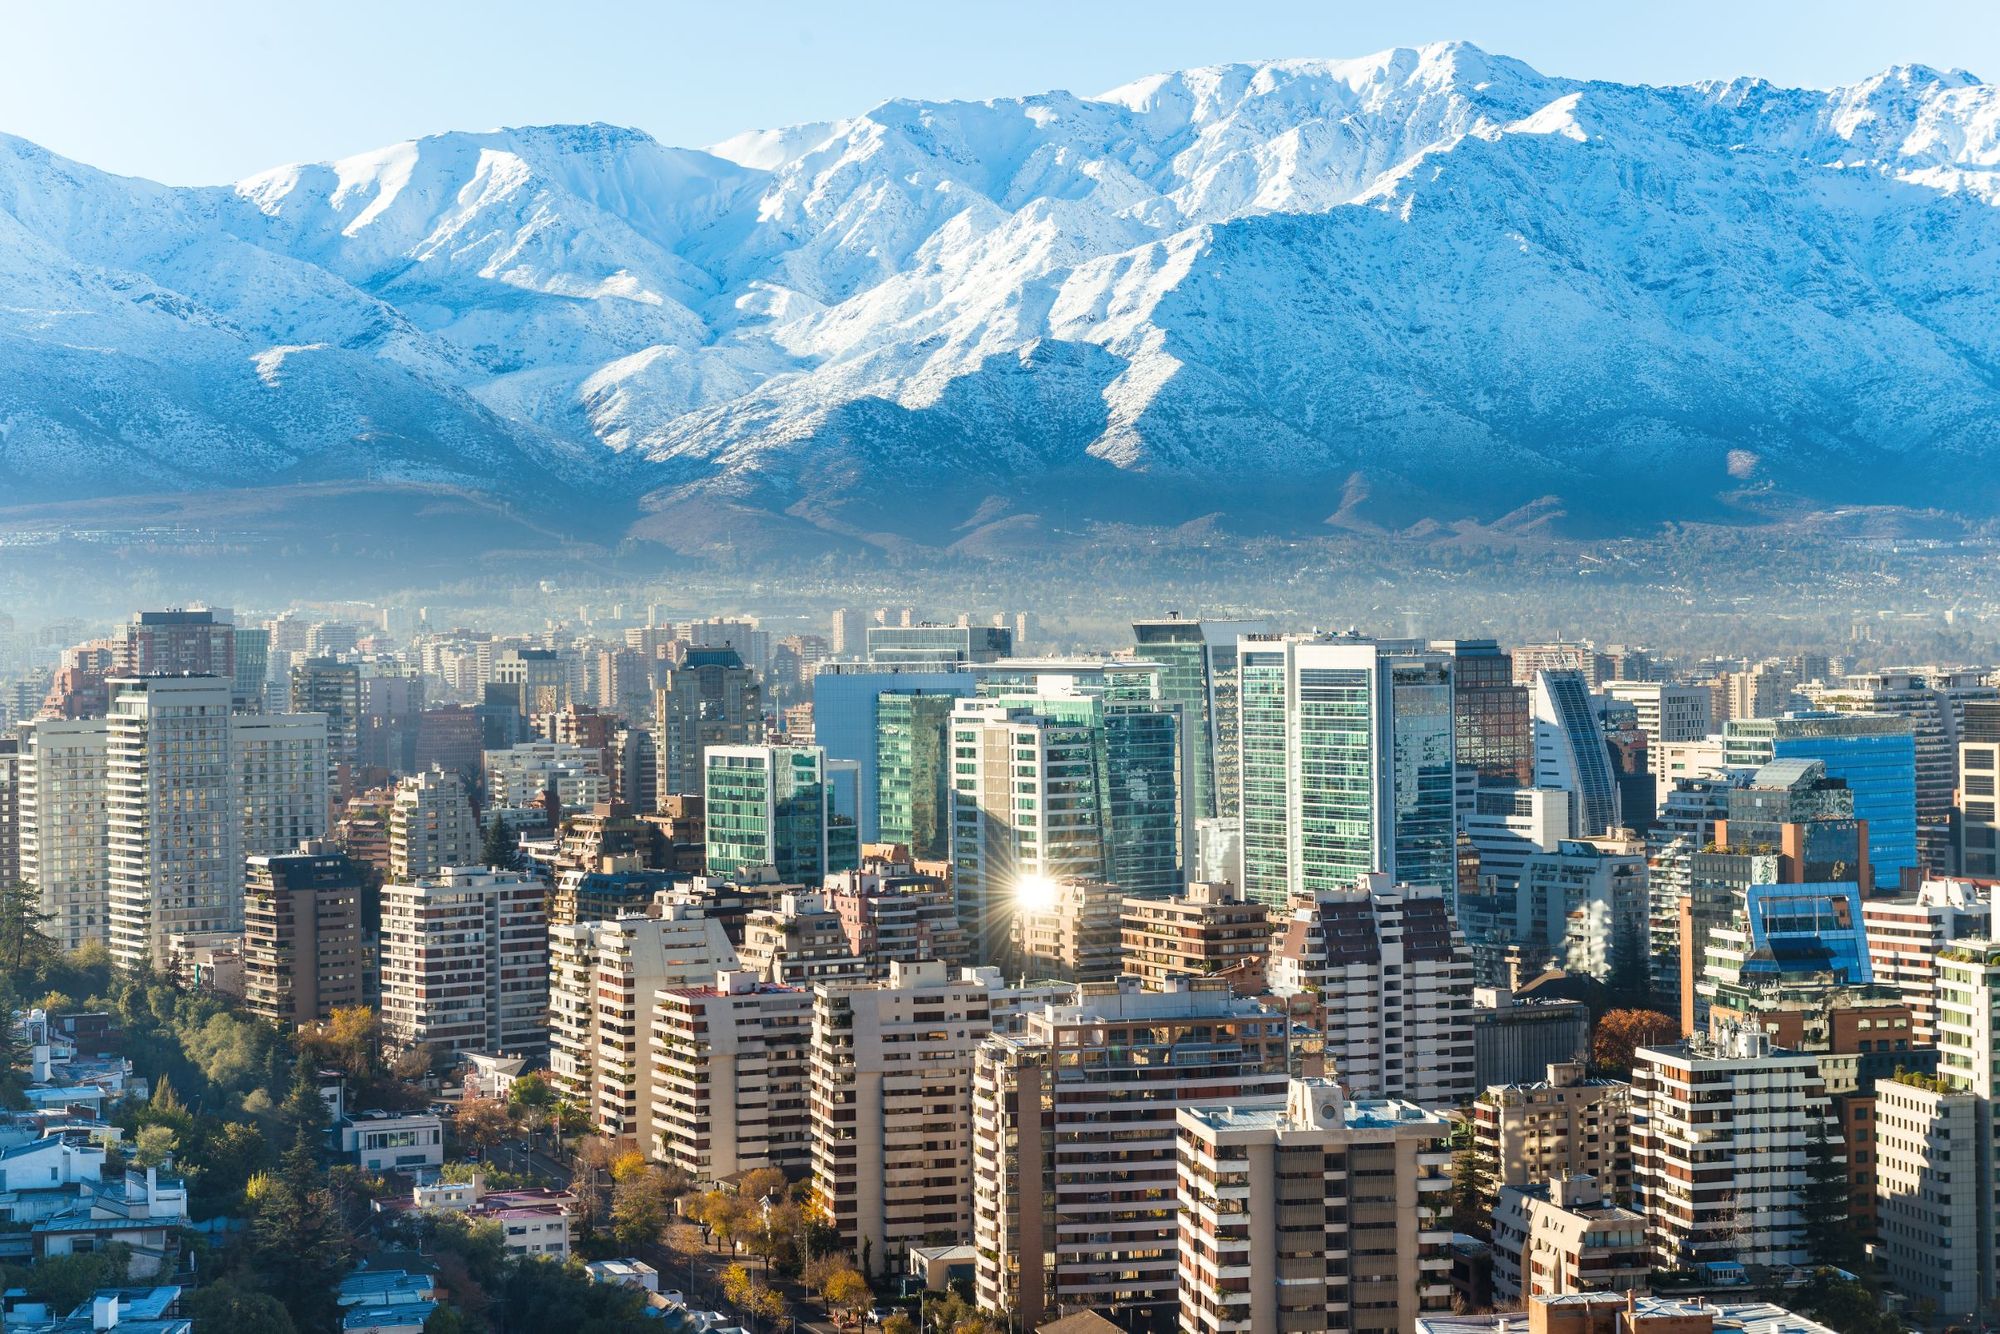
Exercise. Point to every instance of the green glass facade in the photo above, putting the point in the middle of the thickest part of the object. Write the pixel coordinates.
(767, 806)
(1347, 767)
(912, 776)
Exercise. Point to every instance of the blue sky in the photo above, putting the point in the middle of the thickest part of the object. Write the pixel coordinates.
(209, 92)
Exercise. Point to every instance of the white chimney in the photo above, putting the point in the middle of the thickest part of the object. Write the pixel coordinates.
(104, 1312)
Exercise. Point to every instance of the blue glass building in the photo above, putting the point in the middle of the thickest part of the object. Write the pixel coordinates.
(1875, 754)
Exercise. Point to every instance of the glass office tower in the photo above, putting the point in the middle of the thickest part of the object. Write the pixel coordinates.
(1874, 753)
(1348, 764)
(1199, 671)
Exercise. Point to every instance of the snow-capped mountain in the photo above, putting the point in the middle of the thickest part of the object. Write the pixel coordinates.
(1425, 283)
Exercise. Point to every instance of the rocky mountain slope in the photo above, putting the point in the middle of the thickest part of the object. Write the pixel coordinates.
(1425, 286)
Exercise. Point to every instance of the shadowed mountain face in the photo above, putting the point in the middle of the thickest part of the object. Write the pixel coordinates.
(1425, 286)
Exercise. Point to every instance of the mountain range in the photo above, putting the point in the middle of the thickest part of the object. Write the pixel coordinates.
(1413, 292)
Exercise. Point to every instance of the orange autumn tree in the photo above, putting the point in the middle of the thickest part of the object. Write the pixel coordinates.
(1620, 1033)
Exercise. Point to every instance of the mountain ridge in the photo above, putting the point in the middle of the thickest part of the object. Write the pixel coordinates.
(1423, 286)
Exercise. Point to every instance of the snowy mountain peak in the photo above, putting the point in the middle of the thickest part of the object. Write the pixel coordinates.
(1427, 282)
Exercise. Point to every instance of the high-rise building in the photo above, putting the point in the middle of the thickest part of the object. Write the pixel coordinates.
(936, 646)
(540, 675)
(1311, 1211)
(849, 637)
(731, 1073)
(174, 836)
(333, 688)
(1571, 754)
(1582, 909)
(1199, 672)
(520, 775)
(891, 1108)
(1720, 1124)
(711, 699)
(1873, 753)
(912, 791)
(1210, 931)
(253, 668)
(1561, 1237)
(1974, 799)
(1057, 787)
(1668, 715)
(431, 826)
(303, 954)
(1940, 1236)
(280, 760)
(1074, 1135)
(887, 720)
(1387, 966)
(465, 963)
(1935, 701)
(1069, 932)
(1936, 1235)
(1490, 712)
(1347, 756)
(179, 642)
(769, 806)
(65, 820)
(10, 810)
(1906, 933)
(891, 912)
(800, 941)
(602, 980)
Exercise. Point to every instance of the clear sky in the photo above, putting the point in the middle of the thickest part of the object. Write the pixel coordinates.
(214, 90)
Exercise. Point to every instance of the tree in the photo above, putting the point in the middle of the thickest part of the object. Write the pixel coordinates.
(1472, 1178)
(498, 851)
(1831, 1238)
(1620, 1034)
(531, 1097)
(899, 1324)
(26, 949)
(750, 1297)
(224, 1304)
(153, 1146)
(846, 1290)
(639, 1208)
(65, 1282)
(481, 1124)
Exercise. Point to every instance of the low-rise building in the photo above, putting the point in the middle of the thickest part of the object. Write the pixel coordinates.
(1068, 931)
(408, 1142)
(1562, 1236)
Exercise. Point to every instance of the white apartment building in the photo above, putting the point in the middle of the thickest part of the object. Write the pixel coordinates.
(1928, 1195)
(603, 977)
(892, 1106)
(1393, 978)
(1669, 714)
(281, 770)
(1906, 933)
(465, 963)
(1510, 825)
(1311, 1212)
(519, 775)
(1074, 1132)
(431, 826)
(64, 820)
(731, 1074)
(1719, 1130)
(1578, 907)
(174, 838)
